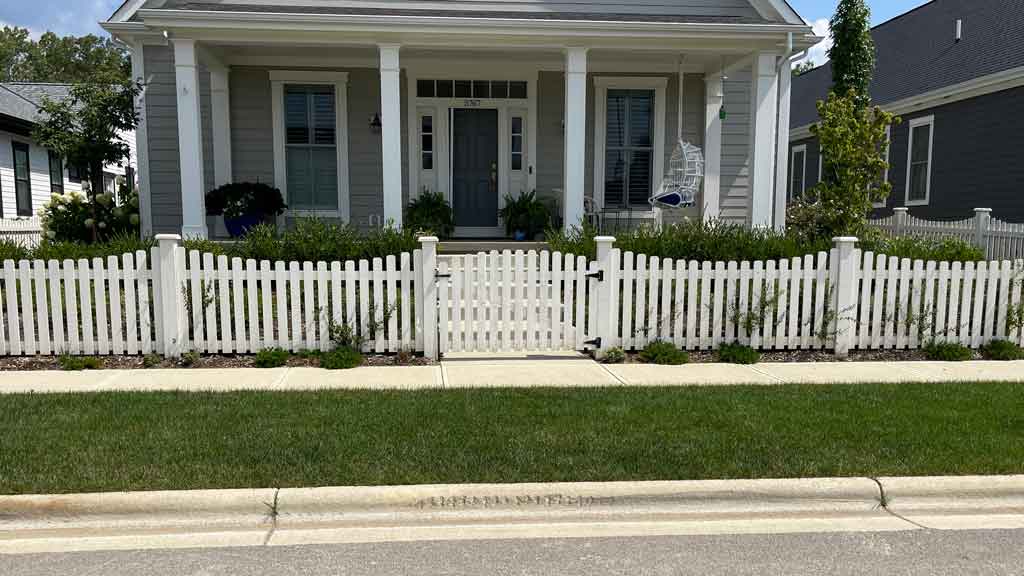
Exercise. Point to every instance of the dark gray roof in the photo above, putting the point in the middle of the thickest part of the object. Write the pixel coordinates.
(917, 52)
(623, 15)
(22, 100)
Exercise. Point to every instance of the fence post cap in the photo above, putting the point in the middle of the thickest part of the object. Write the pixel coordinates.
(610, 239)
(901, 209)
(983, 210)
(168, 237)
(428, 239)
(845, 240)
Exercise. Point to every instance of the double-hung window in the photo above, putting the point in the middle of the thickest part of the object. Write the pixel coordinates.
(56, 173)
(311, 147)
(629, 150)
(22, 179)
(919, 161)
(798, 173)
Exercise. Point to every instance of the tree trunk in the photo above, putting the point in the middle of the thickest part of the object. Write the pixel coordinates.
(95, 189)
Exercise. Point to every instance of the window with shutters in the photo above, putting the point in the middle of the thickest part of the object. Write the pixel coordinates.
(629, 149)
(311, 152)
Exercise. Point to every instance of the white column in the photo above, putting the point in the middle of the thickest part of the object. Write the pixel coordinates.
(782, 152)
(190, 140)
(391, 132)
(765, 93)
(142, 142)
(220, 98)
(575, 134)
(713, 99)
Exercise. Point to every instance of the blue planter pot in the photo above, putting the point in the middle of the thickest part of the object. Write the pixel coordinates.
(237, 227)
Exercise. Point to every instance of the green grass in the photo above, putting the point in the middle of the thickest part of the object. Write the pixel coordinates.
(155, 441)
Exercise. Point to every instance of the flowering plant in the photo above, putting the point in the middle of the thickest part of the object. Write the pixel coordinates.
(71, 217)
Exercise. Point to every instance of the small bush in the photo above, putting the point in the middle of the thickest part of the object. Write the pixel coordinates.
(151, 361)
(1002, 350)
(341, 359)
(614, 356)
(430, 213)
(189, 359)
(78, 363)
(404, 357)
(664, 353)
(13, 250)
(271, 358)
(72, 217)
(948, 352)
(737, 353)
(927, 249)
(244, 199)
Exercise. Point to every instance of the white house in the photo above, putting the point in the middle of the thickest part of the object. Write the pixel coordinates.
(351, 107)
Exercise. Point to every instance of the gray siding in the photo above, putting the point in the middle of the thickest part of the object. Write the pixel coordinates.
(735, 197)
(550, 161)
(252, 131)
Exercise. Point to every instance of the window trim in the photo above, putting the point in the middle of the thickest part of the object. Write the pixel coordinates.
(602, 84)
(278, 80)
(51, 156)
(15, 147)
(803, 169)
(917, 123)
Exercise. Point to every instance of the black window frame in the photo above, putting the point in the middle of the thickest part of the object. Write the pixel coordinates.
(56, 178)
(20, 202)
(627, 148)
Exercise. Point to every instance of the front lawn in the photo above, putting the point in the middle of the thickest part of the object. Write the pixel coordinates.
(157, 441)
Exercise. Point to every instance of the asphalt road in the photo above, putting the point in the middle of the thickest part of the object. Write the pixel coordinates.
(925, 552)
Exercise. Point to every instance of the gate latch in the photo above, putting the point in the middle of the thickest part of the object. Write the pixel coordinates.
(599, 275)
(440, 275)
(596, 342)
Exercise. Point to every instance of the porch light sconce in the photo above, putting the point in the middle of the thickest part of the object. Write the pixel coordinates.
(375, 123)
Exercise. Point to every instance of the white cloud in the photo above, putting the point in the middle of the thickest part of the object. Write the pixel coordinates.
(819, 52)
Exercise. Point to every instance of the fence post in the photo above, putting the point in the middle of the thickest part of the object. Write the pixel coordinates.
(982, 222)
(428, 276)
(605, 321)
(900, 220)
(170, 306)
(845, 283)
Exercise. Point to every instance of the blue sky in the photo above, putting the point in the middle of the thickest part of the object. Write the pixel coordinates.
(80, 16)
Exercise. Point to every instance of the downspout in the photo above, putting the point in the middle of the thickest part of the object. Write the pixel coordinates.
(782, 147)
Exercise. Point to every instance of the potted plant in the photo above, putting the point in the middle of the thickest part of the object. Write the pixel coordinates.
(244, 205)
(525, 217)
(430, 213)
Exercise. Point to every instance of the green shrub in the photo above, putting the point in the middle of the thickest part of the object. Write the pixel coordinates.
(271, 358)
(341, 359)
(525, 213)
(948, 352)
(204, 245)
(244, 198)
(78, 363)
(927, 249)
(117, 245)
(71, 217)
(13, 250)
(260, 242)
(664, 353)
(614, 356)
(737, 353)
(151, 361)
(1002, 350)
(430, 214)
(189, 359)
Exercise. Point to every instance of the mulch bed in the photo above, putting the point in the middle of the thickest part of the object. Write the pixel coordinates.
(36, 363)
(795, 356)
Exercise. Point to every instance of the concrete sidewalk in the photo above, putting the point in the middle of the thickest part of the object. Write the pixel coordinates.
(508, 371)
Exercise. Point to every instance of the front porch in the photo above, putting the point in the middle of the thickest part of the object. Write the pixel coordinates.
(352, 132)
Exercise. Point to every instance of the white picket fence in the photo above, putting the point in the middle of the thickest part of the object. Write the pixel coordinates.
(25, 231)
(170, 301)
(1000, 240)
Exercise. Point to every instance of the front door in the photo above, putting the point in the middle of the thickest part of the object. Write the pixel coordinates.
(475, 171)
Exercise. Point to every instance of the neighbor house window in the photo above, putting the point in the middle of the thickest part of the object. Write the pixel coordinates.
(311, 154)
(22, 179)
(517, 143)
(629, 152)
(427, 142)
(74, 174)
(798, 173)
(56, 173)
(919, 161)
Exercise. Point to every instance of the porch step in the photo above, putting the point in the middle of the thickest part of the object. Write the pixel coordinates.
(463, 247)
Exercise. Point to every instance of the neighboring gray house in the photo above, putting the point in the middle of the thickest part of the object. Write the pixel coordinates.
(351, 107)
(953, 70)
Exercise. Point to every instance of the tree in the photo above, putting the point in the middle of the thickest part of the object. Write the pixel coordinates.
(853, 144)
(65, 60)
(803, 68)
(87, 129)
(853, 50)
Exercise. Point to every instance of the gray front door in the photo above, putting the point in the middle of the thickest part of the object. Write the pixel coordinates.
(475, 167)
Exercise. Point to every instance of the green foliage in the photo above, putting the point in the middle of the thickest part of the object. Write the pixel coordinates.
(344, 336)
(204, 245)
(803, 68)
(189, 359)
(578, 241)
(853, 50)
(927, 249)
(72, 217)
(430, 214)
(1002, 350)
(79, 363)
(151, 361)
(614, 356)
(526, 214)
(853, 143)
(737, 353)
(244, 199)
(272, 358)
(57, 59)
(341, 358)
(948, 352)
(663, 353)
(13, 250)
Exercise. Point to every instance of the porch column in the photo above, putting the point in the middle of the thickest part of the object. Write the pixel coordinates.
(391, 132)
(142, 142)
(190, 140)
(713, 98)
(220, 98)
(782, 152)
(575, 134)
(765, 94)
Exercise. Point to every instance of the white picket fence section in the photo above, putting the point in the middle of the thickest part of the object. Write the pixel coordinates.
(1000, 240)
(170, 302)
(25, 231)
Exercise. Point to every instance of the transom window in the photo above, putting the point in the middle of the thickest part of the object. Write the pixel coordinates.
(311, 152)
(919, 161)
(500, 89)
(629, 150)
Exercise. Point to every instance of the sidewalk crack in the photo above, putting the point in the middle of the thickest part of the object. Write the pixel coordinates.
(613, 374)
(273, 511)
(883, 501)
(766, 374)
